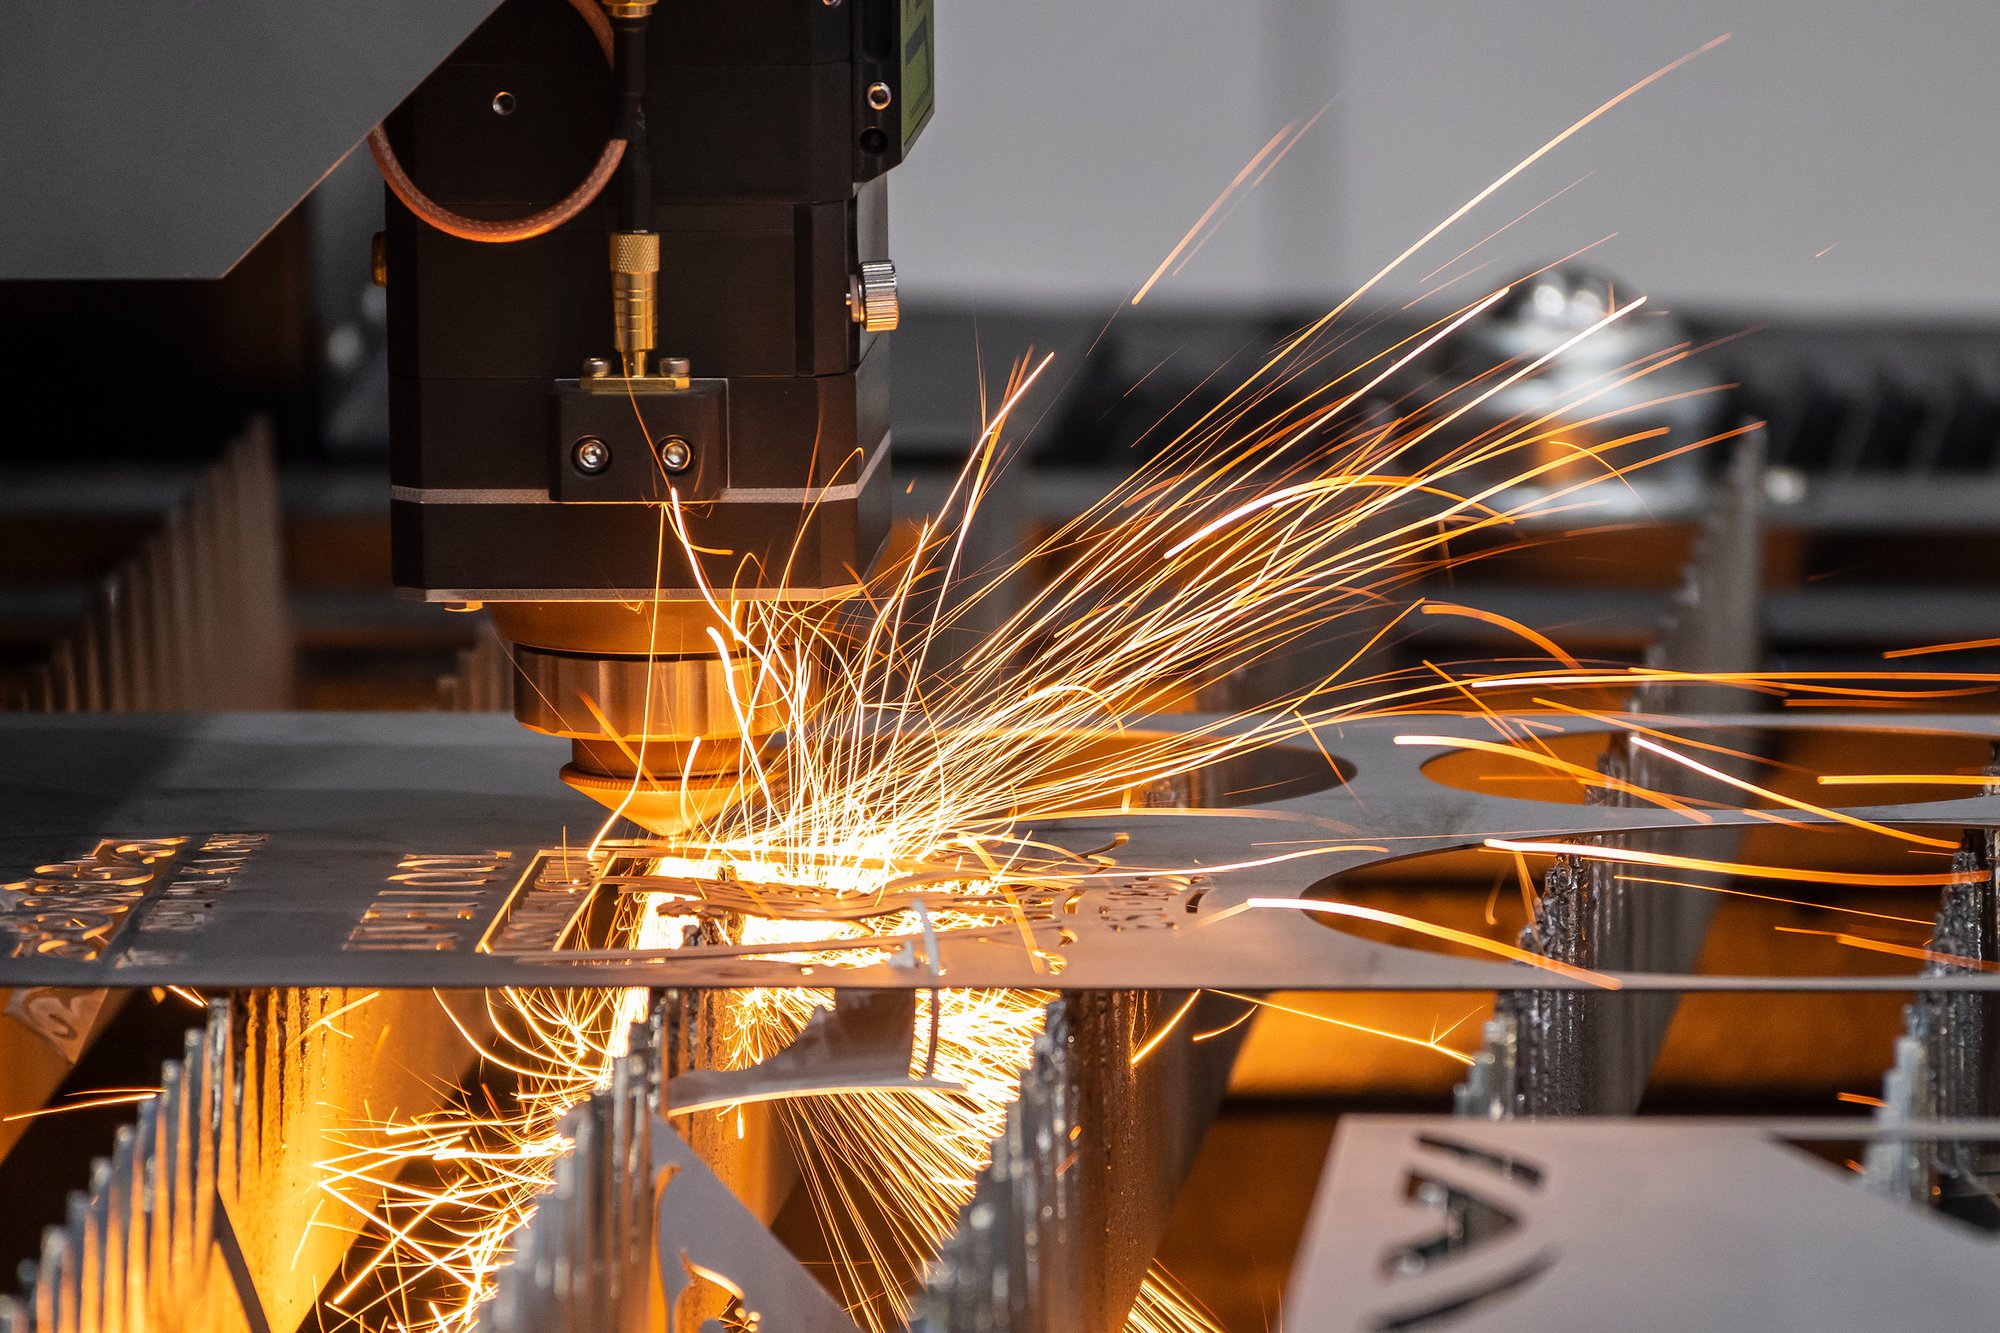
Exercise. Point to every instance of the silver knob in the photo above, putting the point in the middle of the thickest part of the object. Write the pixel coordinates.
(871, 297)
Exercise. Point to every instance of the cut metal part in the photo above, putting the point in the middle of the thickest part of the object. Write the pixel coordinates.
(1640, 1225)
(384, 839)
(1057, 1238)
(867, 1039)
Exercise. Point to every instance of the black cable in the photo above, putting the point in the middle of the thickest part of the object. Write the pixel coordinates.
(635, 173)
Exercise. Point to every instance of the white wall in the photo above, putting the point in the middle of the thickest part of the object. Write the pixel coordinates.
(1076, 140)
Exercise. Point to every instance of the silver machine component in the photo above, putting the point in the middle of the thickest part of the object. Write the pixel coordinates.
(354, 844)
(208, 1211)
(1648, 1224)
(324, 886)
(872, 299)
(1570, 1053)
(325, 813)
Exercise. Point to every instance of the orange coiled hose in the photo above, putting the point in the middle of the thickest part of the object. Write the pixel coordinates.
(519, 229)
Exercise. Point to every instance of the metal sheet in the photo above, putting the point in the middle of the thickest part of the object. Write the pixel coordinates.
(1637, 1225)
(325, 849)
(161, 140)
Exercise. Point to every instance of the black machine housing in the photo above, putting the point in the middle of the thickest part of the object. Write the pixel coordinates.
(769, 139)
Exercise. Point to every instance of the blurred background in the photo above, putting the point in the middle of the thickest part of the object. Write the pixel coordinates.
(1819, 184)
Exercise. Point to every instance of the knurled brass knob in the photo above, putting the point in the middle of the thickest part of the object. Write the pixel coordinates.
(871, 297)
(635, 252)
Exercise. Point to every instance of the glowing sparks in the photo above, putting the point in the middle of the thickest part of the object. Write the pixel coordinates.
(1741, 869)
(1894, 950)
(1432, 1043)
(90, 1102)
(1431, 929)
(902, 748)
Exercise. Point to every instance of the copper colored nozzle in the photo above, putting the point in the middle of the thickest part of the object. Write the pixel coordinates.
(635, 277)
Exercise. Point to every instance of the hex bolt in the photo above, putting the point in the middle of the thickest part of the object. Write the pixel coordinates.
(675, 454)
(590, 455)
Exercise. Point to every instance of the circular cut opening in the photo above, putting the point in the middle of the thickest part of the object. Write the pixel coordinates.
(1826, 766)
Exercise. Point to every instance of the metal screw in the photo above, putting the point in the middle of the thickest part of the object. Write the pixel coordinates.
(675, 367)
(596, 368)
(879, 96)
(591, 455)
(675, 454)
(503, 104)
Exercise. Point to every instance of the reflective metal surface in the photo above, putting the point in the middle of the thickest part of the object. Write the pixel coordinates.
(378, 840)
(1641, 1225)
(161, 141)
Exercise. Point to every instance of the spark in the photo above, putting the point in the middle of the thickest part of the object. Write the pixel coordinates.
(1151, 1043)
(1838, 816)
(1430, 928)
(1745, 870)
(1771, 898)
(1963, 645)
(1588, 777)
(115, 1098)
(1908, 779)
(1894, 950)
(1435, 1043)
(1211, 210)
(926, 726)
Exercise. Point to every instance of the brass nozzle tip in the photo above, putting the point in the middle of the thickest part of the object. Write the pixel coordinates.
(635, 321)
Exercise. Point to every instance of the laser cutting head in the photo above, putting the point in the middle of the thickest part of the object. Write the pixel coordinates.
(659, 732)
(705, 337)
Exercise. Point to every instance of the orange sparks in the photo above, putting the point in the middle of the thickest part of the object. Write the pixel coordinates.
(1909, 779)
(1895, 950)
(1963, 645)
(1147, 1047)
(1633, 856)
(1430, 928)
(1430, 1044)
(1838, 816)
(1209, 212)
(1588, 777)
(1536, 637)
(118, 1097)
